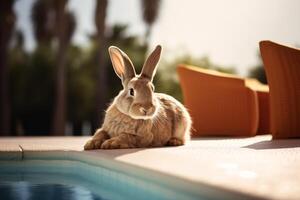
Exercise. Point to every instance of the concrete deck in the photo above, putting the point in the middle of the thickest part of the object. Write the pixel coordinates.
(258, 166)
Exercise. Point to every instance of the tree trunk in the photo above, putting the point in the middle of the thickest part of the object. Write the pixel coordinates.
(101, 93)
(7, 19)
(4, 94)
(59, 116)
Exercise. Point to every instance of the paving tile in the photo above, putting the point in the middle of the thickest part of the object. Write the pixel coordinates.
(9, 150)
(52, 143)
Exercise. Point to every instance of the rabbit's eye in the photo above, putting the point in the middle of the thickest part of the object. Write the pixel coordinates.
(131, 91)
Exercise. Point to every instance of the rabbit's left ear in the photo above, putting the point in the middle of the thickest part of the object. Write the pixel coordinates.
(150, 65)
(121, 63)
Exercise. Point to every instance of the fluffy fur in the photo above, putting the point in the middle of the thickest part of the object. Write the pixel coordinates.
(138, 117)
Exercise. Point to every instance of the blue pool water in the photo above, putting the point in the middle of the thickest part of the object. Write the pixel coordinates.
(58, 186)
(24, 190)
(63, 180)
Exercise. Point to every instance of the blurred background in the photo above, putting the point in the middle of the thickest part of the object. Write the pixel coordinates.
(56, 76)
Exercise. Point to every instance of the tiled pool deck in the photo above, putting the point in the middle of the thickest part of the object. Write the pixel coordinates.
(253, 167)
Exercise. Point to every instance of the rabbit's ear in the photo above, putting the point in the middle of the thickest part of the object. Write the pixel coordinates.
(121, 63)
(150, 64)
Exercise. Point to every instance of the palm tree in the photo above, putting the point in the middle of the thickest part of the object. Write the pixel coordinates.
(7, 21)
(65, 26)
(150, 13)
(101, 93)
(43, 24)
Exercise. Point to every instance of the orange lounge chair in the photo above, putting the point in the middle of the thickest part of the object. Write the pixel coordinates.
(221, 104)
(263, 96)
(282, 66)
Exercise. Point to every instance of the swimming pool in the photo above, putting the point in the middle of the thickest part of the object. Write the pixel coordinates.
(97, 175)
(72, 179)
(204, 169)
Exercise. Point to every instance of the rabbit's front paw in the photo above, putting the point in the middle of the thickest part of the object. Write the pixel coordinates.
(175, 142)
(93, 144)
(114, 143)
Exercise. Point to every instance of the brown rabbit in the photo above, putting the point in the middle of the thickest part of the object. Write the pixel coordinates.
(138, 117)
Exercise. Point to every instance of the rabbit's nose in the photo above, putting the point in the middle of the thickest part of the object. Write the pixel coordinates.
(146, 109)
(143, 110)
